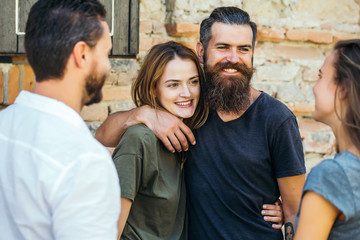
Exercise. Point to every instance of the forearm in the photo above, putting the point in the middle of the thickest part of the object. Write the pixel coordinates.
(111, 130)
(289, 225)
(290, 190)
(124, 214)
(290, 219)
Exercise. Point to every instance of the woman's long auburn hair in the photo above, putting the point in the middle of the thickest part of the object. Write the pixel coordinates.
(347, 79)
(143, 89)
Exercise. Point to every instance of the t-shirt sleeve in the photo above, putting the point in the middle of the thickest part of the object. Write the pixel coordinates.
(329, 180)
(128, 161)
(287, 150)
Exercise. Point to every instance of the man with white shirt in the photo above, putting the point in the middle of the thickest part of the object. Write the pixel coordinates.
(56, 180)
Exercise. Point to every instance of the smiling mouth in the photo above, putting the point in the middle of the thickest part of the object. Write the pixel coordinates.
(184, 103)
(230, 70)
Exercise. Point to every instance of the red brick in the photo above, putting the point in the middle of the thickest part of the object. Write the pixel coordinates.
(116, 93)
(297, 52)
(28, 78)
(339, 36)
(13, 83)
(1, 87)
(183, 30)
(94, 112)
(303, 109)
(320, 37)
(19, 59)
(296, 35)
(270, 35)
(310, 125)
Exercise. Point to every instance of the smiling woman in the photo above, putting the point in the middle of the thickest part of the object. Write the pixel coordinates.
(171, 61)
(178, 89)
(151, 178)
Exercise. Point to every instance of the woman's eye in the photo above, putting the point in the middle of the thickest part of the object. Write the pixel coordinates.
(172, 85)
(194, 82)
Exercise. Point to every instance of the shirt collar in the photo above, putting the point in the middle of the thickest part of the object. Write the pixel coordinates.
(50, 106)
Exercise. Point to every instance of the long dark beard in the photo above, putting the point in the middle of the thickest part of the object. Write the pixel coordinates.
(229, 94)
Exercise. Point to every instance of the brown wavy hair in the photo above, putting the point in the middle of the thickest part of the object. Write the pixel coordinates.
(143, 89)
(347, 79)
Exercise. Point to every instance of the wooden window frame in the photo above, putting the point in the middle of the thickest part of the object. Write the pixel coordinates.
(124, 25)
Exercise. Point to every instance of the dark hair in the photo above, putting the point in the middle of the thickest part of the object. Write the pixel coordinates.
(347, 78)
(227, 15)
(144, 87)
(54, 27)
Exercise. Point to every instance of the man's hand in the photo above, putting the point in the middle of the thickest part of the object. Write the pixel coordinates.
(273, 213)
(169, 129)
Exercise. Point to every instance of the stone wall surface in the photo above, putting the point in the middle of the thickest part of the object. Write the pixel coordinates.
(294, 36)
(293, 39)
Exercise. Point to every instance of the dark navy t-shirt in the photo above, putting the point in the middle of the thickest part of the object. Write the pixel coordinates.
(233, 169)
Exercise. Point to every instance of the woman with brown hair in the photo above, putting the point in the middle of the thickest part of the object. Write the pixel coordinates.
(330, 207)
(153, 190)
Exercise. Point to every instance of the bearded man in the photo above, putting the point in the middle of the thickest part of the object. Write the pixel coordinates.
(249, 151)
(56, 180)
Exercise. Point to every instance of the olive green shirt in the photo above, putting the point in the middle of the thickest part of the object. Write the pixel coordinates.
(151, 177)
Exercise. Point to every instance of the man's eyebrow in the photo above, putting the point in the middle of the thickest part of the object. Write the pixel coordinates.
(226, 44)
(222, 43)
(245, 45)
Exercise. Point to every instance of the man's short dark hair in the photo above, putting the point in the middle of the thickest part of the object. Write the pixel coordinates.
(54, 27)
(227, 15)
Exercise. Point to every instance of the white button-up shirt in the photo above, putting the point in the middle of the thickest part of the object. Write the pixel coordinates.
(56, 180)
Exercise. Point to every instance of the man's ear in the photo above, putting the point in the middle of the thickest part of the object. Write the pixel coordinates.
(80, 53)
(200, 52)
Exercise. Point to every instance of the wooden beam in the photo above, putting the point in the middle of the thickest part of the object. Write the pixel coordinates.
(7, 27)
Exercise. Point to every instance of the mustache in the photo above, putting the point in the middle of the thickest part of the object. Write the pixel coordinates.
(242, 68)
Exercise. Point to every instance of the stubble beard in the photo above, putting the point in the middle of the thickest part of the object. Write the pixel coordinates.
(228, 94)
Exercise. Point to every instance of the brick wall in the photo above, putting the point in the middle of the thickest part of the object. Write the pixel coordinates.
(14, 77)
(293, 40)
